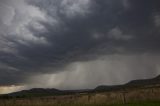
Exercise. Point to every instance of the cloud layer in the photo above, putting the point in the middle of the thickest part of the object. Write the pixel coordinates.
(83, 39)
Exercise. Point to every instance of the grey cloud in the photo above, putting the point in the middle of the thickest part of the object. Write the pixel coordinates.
(109, 70)
(117, 34)
(82, 30)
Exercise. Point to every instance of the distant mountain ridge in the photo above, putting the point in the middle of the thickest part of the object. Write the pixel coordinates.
(144, 82)
(38, 92)
(132, 84)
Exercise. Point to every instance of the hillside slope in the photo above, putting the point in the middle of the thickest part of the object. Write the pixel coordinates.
(38, 92)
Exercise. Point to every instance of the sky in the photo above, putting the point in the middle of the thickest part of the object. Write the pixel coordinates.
(77, 44)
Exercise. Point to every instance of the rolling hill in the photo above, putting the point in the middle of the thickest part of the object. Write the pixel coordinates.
(39, 92)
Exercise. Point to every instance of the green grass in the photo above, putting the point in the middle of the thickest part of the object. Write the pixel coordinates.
(35, 103)
(138, 104)
(128, 104)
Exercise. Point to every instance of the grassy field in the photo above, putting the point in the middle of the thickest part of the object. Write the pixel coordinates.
(134, 97)
(79, 104)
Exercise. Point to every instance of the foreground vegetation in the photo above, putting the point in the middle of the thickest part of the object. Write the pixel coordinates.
(38, 103)
(149, 96)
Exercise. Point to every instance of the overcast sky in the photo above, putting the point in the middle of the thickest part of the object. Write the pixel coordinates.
(76, 44)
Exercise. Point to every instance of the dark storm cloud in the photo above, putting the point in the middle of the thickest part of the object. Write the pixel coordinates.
(79, 34)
